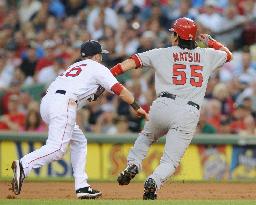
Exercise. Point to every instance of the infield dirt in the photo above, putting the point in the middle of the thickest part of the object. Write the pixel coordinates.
(174, 190)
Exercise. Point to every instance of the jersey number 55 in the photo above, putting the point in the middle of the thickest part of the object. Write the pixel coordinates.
(180, 78)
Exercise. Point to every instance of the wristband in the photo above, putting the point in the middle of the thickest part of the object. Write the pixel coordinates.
(135, 105)
(137, 60)
(217, 45)
(117, 69)
(214, 44)
(117, 88)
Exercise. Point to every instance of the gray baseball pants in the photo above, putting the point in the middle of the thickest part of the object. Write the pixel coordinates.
(175, 119)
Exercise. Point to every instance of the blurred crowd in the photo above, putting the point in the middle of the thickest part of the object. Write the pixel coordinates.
(39, 39)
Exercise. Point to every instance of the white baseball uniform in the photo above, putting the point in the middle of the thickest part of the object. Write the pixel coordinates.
(58, 109)
(181, 77)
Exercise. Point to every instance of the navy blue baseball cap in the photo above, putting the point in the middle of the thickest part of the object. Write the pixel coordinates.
(91, 48)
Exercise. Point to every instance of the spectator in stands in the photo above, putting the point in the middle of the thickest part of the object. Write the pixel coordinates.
(94, 112)
(203, 125)
(57, 8)
(136, 87)
(134, 123)
(83, 119)
(121, 124)
(28, 8)
(215, 117)
(48, 74)
(14, 120)
(3, 12)
(6, 71)
(245, 71)
(213, 81)
(210, 19)
(247, 103)
(129, 41)
(225, 126)
(162, 37)
(238, 119)
(156, 10)
(136, 77)
(128, 10)
(14, 89)
(231, 28)
(249, 126)
(184, 10)
(33, 122)
(250, 93)
(48, 60)
(29, 61)
(115, 57)
(105, 122)
(73, 7)
(100, 16)
(39, 19)
(221, 93)
(147, 42)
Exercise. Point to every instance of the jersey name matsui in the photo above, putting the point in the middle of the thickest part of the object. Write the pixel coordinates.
(187, 56)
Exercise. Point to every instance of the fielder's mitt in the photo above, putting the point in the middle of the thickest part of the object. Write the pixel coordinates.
(98, 93)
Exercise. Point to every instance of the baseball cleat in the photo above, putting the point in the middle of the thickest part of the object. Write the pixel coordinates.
(87, 193)
(18, 176)
(128, 174)
(150, 189)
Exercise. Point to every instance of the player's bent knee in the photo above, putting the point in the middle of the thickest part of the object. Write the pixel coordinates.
(146, 138)
(59, 154)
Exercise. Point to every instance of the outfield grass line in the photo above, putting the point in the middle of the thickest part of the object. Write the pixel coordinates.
(126, 202)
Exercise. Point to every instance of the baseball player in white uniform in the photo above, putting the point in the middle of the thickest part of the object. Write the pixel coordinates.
(181, 76)
(69, 92)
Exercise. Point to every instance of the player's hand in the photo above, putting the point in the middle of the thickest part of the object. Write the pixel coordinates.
(205, 38)
(142, 113)
(210, 42)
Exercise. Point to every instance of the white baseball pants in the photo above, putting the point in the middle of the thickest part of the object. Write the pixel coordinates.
(59, 112)
(175, 119)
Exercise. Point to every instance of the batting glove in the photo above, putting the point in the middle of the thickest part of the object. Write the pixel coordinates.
(209, 41)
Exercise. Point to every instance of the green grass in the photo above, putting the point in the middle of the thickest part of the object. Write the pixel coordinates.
(126, 202)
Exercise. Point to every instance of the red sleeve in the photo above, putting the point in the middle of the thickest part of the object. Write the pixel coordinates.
(117, 88)
(137, 60)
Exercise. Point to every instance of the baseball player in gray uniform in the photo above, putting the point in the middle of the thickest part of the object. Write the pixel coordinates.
(181, 76)
(70, 91)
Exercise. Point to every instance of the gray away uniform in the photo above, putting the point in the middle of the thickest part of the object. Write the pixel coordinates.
(183, 73)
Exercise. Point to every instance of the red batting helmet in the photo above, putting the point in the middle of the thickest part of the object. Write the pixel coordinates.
(185, 28)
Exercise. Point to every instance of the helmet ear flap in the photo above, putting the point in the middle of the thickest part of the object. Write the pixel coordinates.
(176, 36)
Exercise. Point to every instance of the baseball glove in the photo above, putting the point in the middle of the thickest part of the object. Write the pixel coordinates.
(98, 93)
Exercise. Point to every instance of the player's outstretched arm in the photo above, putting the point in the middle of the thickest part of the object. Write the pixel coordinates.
(127, 96)
(131, 63)
(212, 43)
